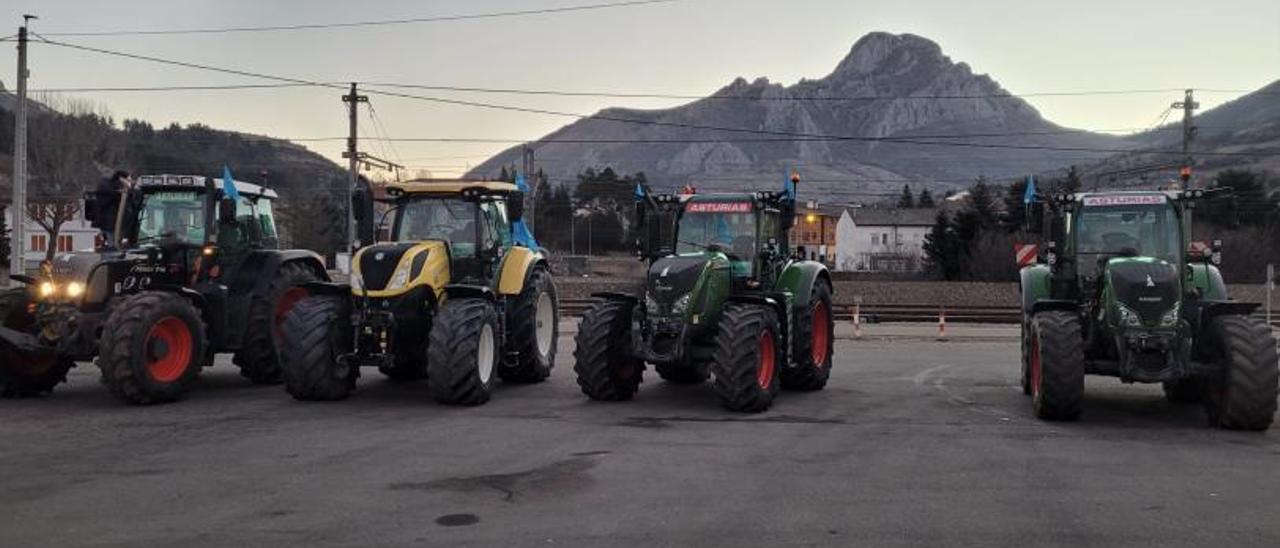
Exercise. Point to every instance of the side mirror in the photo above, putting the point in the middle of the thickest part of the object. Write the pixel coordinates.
(1215, 255)
(515, 206)
(362, 211)
(227, 211)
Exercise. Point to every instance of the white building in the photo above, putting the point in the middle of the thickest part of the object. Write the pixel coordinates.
(74, 235)
(882, 239)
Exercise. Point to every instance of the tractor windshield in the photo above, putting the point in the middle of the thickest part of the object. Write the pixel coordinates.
(449, 219)
(727, 226)
(1147, 230)
(172, 214)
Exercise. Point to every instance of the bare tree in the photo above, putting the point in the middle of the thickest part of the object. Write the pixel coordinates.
(68, 144)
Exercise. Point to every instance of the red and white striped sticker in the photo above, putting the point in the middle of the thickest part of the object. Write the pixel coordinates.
(718, 207)
(1125, 200)
(1025, 254)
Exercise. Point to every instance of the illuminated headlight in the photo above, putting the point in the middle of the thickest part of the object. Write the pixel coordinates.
(1170, 318)
(47, 289)
(681, 305)
(650, 304)
(1128, 317)
(75, 289)
(400, 277)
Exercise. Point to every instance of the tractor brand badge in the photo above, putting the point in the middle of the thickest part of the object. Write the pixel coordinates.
(664, 272)
(379, 256)
(1150, 282)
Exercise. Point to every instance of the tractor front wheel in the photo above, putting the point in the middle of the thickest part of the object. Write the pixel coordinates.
(315, 333)
(747, 358)
(814, 341)
(258, 358)
(1056, 364)
(1243, 395)
(463, 352)
(27, 374)
(535, 326)
(151, 348)
(602, 359)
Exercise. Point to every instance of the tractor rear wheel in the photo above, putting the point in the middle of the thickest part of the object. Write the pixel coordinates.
(1243, 395)
(315, 333)
(603, 362)
(1185, 390)
(747, 358)
(258, 358)
(814, 329)
(534, 322)
(1056, 365)
(22, 374)
(152, 346)
(1026, 356)
(463, 352)
(683, 373)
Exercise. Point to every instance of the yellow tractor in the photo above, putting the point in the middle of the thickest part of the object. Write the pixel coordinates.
(460, 294)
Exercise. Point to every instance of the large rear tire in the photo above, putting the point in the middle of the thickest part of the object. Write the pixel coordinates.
(1026, 355)
(316, 332)
(1057, 366)
(463, 352)
(21, 374)
(258, 358)
(814, 342)
(152, 346)
(605, 368)
(1243, 396)
(747, 357)
(534, 322)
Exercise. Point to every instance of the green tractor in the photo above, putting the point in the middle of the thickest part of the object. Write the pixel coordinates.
(722, 298)
(195, 271)
(1118, 291)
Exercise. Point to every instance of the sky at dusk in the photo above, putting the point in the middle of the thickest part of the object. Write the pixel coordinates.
(687, 47)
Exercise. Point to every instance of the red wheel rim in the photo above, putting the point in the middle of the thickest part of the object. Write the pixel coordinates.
(168, 349)
(764, 373)
(1035, 366)
(821, 335)
(285, 303)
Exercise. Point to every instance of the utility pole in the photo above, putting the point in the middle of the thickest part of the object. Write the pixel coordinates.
(1188, 106)
(17, 264)
(353, 101)
(526, 154)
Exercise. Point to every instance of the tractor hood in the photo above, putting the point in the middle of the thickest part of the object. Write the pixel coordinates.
(378, 265)
(1150, 287)
(674, 276)
(75, 266)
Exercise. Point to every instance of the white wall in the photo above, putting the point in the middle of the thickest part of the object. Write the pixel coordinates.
(856, 245)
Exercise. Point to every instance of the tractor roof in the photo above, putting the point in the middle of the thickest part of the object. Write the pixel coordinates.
(198, 182)
(447, 186)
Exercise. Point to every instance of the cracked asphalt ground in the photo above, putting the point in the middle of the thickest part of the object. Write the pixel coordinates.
(913, 443)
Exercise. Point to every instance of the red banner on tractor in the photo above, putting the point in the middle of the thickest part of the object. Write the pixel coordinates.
(718, 207)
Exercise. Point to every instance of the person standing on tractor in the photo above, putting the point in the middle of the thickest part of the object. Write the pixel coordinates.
(108, 196)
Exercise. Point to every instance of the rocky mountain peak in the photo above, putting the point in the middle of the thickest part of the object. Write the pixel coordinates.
(880, 52)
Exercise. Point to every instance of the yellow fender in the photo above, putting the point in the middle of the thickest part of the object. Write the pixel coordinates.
(516, 265)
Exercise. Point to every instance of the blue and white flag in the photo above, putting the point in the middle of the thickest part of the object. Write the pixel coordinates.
(1030, 194)
(789, 189)
(229, 184)
(519, 230)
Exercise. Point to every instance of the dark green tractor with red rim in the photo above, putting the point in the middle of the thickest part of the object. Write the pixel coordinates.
(194, 272)
(723, 299)
(1119, 292)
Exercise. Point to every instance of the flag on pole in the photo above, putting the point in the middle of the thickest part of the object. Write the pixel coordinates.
(789, 189)
(519, 230)
(229, 184)
(1030, 195)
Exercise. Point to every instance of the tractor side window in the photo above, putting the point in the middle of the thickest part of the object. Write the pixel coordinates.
(496, 217)
(266, 218)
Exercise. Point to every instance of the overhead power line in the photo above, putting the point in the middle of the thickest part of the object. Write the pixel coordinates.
(793, 136)
(374, 23)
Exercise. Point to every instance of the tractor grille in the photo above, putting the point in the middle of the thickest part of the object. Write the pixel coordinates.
(1150, 289)
(681, 273)
(377, 263)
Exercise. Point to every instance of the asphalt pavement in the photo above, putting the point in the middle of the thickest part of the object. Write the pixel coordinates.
(914, 443)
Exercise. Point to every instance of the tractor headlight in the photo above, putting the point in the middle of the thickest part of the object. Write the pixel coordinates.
(681, 304)
(1170, 318)
(399, 278)
(1128, 317)
(47, 289)
(650, 304)
(75, 290)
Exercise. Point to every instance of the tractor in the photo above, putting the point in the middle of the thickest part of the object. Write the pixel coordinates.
(460, 295)
(723, 297)
(1120, 290)
(195, 271)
